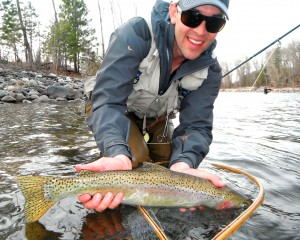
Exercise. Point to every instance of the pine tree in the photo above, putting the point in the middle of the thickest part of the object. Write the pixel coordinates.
(31, 23)
(79, 37)
(28, 49)
(10, 34)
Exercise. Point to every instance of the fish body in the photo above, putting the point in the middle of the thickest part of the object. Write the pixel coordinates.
(151, 185)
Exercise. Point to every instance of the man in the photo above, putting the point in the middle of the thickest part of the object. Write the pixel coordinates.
(151, 71)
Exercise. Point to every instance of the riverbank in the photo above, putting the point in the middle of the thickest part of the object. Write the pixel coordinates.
(23, 86)
(261, 89)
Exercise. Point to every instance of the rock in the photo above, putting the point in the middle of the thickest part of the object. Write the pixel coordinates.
(27, 87)
(54, 92)
(26, 101)
(68, 86)
(11, 88)
(34, 96)
(26, 81)
(61, 99)
(20, 97)
(41, 89)
(51, 75)
(8, 99)
(13, 81)
(44, 98)
(25, 92)
(12, 94)
(33, 92)
(2, 94)
(33, 83)
(31, 74)
(76, 86)
(61, 81)
(2, 86)
(73, 94)
(56, 84)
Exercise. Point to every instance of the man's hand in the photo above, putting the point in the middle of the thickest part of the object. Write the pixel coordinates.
(185, 168)
(99, 202)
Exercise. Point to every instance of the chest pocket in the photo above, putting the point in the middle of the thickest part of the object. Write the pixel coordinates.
(193, 81)
(149, 70)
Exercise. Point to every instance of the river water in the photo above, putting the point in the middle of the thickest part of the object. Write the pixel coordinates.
(257, 133)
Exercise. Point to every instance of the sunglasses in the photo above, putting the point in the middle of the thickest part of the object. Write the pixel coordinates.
(193, 18)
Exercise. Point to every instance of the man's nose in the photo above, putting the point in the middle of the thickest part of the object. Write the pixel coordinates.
(201, 29)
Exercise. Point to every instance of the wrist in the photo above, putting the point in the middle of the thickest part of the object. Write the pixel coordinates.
(179, 166)
(125, 160)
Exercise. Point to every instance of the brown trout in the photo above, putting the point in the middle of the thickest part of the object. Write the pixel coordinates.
(150, 185)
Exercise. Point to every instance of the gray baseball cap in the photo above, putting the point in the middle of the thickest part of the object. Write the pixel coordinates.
(188, 4)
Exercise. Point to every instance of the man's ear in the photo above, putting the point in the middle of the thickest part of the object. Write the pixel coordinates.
(173, 12)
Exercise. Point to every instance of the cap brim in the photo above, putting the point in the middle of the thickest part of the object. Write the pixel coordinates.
(195, 3)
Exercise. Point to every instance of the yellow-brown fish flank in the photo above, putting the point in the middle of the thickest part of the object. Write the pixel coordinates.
(150, 185)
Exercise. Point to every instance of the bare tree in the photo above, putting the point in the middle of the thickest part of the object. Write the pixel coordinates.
(112, 13)
(101, 26)
(227, 80)
(56, 54)
(28, 50)
(120, 15)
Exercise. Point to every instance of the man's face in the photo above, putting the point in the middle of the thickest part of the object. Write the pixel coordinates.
(192, 42)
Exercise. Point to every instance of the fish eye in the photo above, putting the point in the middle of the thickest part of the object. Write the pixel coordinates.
(245, 205)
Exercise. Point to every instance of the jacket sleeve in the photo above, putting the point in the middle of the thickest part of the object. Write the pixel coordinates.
(129, 45)
(192, 137)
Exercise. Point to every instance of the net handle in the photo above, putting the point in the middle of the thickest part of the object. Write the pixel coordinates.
(236, 224)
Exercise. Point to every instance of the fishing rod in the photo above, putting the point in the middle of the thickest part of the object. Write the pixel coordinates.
(277, 40)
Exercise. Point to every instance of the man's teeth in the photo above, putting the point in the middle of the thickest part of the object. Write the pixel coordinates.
(196, 42)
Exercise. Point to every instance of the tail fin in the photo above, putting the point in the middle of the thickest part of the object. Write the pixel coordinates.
(33, 191)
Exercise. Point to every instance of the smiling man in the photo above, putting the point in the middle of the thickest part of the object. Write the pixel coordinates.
(153, 70)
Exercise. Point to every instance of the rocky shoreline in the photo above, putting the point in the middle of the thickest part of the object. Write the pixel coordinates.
(17, 86)
(20, 86)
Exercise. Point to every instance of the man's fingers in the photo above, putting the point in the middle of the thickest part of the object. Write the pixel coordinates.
(94, 202)
(84, 198)
(107, 199)
(216, 180)
(182, 210)
(116, 201)
(94, 166)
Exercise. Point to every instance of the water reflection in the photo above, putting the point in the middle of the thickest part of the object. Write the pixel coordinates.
(126, 223)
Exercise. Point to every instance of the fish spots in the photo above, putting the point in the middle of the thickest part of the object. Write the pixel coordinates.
(148, 187)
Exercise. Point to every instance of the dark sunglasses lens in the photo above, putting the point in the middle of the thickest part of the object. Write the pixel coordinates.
(215, 24)
(193, 19)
